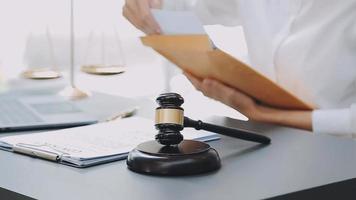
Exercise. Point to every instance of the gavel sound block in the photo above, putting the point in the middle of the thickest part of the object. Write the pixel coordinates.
(170, 154)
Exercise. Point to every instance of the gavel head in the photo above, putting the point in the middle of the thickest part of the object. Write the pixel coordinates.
(169, 119)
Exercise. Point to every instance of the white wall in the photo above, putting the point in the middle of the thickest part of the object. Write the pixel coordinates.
(19, 18)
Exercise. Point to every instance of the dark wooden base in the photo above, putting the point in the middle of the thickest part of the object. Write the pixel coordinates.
(187, 158)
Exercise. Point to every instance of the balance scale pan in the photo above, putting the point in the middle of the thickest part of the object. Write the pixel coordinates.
(41, 73)
(103, 70)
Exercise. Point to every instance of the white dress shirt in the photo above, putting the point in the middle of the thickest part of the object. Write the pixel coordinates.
(307, 46)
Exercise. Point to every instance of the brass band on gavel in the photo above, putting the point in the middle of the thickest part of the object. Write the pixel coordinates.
(169, 115)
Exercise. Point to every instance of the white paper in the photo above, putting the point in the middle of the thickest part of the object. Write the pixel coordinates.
(95, 141)
(178, 22)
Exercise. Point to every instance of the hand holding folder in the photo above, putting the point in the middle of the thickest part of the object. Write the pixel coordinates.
(195, 53)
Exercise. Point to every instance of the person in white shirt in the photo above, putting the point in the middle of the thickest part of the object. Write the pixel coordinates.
(307, 46)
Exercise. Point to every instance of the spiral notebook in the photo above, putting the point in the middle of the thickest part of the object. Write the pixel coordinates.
(91, 145)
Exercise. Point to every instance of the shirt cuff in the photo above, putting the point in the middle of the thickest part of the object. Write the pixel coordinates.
(334, 122)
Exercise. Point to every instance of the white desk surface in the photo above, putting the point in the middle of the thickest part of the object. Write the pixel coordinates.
(296, 160)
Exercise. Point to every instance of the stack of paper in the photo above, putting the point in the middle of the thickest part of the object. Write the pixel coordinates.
(178, 22)
(91, 145)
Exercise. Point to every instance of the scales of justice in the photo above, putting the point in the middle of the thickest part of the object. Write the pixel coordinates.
(72, 92)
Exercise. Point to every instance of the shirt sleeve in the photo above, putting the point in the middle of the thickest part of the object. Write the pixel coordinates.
(225, 12)
(340, 122)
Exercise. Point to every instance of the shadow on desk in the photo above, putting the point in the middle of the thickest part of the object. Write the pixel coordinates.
(339, 190)
(7, 194)
(249, 149)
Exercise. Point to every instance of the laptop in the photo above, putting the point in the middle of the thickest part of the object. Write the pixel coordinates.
(32, 112)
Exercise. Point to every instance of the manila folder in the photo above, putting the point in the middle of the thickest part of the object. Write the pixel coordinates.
(195, 54)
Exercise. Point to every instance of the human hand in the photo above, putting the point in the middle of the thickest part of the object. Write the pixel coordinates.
(138, 12)
(249, 107)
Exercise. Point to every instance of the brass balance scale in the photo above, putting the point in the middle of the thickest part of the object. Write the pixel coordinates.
(72, 91)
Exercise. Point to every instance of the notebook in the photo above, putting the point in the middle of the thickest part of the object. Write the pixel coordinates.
(194, 53)
(91, 145)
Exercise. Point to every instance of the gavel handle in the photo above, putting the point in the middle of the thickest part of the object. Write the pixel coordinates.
(236, 133)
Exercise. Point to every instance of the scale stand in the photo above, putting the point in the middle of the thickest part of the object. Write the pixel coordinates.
(72, 92)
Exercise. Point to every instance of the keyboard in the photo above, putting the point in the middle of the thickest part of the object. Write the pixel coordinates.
(13, 112)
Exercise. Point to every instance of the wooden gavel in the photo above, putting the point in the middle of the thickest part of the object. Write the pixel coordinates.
(170, 120)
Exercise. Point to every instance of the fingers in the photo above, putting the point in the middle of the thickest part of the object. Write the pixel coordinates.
(195, 81)
(223, 93)
(227, 95)
(157, 4)
(149, 23)
(216, 90)
(129, 15)
(138, 12)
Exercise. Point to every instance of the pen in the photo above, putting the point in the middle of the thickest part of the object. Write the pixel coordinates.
(121, 115)
(36, 153)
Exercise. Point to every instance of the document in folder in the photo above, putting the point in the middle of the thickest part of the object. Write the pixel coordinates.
(195, 53)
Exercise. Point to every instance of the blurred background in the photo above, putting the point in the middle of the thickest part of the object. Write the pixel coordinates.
(27, 26)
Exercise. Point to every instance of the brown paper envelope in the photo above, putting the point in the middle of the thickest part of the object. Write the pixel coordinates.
(195, 55)
(178, 42)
